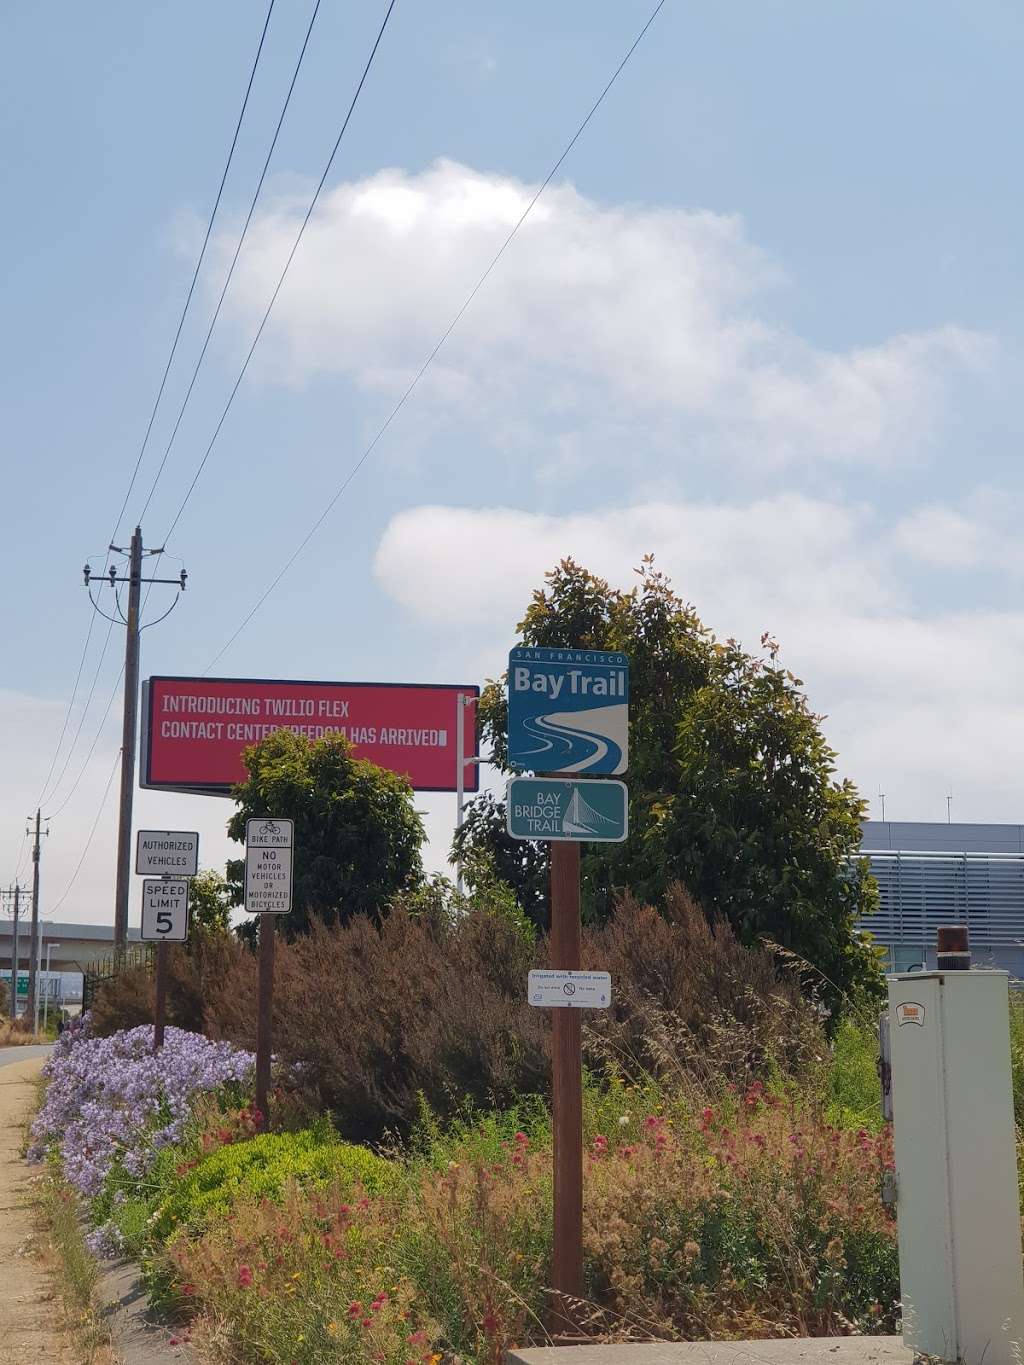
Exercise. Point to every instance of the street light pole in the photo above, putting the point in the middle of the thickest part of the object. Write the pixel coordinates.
(462, 700)
(46, 993)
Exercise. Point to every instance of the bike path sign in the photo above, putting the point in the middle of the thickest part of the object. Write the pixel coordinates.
(568, 710)
(560, 810)
(268, 866)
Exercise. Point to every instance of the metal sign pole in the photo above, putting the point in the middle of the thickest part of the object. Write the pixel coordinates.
(566, 1094)
(160, 1011)
(264, 1017)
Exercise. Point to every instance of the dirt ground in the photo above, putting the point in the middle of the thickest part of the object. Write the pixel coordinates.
(30, 1312)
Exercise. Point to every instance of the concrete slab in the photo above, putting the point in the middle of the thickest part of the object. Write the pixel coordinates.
(137, 1336)
(790, 1351)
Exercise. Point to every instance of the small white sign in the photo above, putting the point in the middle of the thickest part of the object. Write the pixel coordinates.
(570, 990)
(269, 833)
(164, 911)
(268, 880)
(166, 853)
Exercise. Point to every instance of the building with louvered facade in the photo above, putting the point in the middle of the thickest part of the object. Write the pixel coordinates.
(932, 874)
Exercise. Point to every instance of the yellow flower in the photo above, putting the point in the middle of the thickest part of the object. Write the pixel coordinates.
(297, 1275)
(332, 1327)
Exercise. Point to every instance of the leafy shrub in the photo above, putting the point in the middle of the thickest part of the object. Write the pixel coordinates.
(690, 1001)
(428, 1006)
(204, 1191)
(421, 1005)
(194, 972)
(853, 1086)
(752, 1218)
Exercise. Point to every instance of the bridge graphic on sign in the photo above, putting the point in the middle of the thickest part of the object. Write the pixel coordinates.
(581, 818)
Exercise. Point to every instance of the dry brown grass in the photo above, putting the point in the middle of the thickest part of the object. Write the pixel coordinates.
(15, 1035)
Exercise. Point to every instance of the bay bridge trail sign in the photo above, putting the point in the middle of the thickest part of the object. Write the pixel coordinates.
(560, 810)
(568, 710)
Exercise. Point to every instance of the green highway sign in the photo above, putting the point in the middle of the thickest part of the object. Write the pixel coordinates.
(559, 809)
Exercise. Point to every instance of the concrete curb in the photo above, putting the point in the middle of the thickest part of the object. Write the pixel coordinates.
(791, 1351)
(137, 1335)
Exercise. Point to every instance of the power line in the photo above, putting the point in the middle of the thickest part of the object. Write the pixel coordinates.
(234, 262)
(284, 272)
(199, 262)
(21, 855)
(88, 843)
(92, 747)
(444, 337)
(152, 416)
(52, 790)
(67, 714)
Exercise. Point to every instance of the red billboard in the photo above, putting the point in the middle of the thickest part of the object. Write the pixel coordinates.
(195, 730)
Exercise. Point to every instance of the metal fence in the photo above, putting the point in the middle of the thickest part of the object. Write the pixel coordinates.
(106, 968)
(920, 891)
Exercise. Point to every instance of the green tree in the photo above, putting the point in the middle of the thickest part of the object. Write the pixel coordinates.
(490, 855)
(357, 834)
(732, 784)
(209, 901)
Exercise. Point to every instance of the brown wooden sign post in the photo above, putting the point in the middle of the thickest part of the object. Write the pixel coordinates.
(568, 723)
(265, 1017)
(164, 921)
(566, 1093)
(160, 1010)
(268, 893)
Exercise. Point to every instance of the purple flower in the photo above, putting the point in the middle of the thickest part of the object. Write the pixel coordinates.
(110, 1098)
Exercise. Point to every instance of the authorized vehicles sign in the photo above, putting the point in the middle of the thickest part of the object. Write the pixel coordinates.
(568, 710)
(195, 730)
(166, 853)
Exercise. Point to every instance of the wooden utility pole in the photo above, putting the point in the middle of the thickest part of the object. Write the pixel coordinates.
(14, 895)
(566, 1093)
(33, 957)
(130, 721)
(129, 730)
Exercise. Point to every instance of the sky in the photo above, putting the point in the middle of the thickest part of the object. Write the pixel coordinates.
(764, 323)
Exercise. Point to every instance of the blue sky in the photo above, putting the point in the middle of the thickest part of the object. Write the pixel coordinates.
(765, 322)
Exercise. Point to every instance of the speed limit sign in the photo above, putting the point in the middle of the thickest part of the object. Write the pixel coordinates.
(164, 911)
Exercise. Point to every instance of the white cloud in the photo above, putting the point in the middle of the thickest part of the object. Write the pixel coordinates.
(594, 314)
(946, 537)
(915, 699)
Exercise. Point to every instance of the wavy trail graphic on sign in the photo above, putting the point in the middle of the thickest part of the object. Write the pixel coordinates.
(580, 740)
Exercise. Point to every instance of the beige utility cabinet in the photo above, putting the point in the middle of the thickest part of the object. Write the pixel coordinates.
(956, 1166)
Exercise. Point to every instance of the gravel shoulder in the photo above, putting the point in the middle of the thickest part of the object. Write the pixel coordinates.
(30, 1312)
(24, 1054)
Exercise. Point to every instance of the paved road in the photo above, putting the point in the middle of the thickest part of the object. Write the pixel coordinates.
(23, 1054)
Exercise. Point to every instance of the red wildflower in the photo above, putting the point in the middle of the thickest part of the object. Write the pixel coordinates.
(244, 1277)
(355, 1309)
